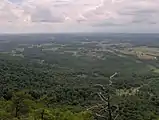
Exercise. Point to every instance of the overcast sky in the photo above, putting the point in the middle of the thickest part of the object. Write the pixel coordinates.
(79, 16)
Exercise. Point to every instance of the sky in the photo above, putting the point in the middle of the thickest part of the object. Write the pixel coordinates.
(55, 16)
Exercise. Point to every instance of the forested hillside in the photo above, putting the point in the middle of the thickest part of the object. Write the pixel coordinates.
(79, 77)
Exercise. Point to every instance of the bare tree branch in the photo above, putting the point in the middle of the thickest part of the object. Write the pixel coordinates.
(96, 106)
(99, 85)
(100, 115)
(116, 116)
(102, 97)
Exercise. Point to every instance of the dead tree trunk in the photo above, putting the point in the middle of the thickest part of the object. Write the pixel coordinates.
(106, 100)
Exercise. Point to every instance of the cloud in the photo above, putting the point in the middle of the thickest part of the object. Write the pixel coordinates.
(96, 13)
(10, 12)
(126, 12)
(45, 15)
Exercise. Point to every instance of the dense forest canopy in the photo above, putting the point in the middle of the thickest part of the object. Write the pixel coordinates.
(69, 77)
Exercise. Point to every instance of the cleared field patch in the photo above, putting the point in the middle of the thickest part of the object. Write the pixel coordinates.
(50, 49)
(19, 49)
(143, 52)
(18, 55)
